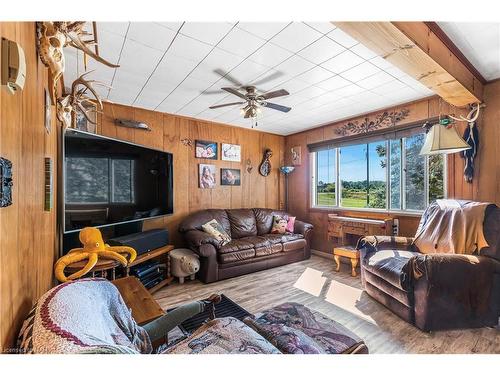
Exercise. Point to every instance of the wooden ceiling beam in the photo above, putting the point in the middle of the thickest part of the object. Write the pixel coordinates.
(415, 49)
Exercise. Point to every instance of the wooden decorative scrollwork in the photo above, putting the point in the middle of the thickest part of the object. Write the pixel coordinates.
(383, 120)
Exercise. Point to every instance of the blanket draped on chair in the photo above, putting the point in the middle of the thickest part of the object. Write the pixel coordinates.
(452, 226)
(87, 315)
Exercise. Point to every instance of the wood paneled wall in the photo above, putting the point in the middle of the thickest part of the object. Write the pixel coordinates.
(27, 232)
(485, 186)
(168, 131)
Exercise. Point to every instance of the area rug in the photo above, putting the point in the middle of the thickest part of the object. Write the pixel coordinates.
(225, 308)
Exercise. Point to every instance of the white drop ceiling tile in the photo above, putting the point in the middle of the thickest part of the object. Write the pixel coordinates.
(315, 75)
(321, 50)
(389, 87)
(270, 55)
(342, 38)
(119, 28)
(124, 92)
(381, 63)
(395, 72)
(296, 36)
(293, 86)
(349, 90)
(189, 48)
(149, 98)
(311, 92)
(362, 51)
(308, 105)
(326, 98)
(322, 27)
(171, 25)
(217, 60)
(151, 35)
(294, 66)
(173, 69)
(207, 32)
(248, 71)
(110, 45)
(241, 42)
(334, 83)
(161, 83)
(375, 80)
(479, 42)
(264, 30)
(169, 107)
(360, 72)
(139, 58)
(342, 62)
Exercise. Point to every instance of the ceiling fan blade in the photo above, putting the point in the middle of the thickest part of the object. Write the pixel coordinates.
(228, 76)
(234, 92)
(277, 107)
(268, 78)
(225, 105)
(274, 94)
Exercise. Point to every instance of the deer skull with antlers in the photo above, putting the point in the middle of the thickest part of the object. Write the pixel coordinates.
(75, 101)
(53, 37)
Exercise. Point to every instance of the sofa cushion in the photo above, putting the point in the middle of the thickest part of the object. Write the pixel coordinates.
(268, 250)
(282, 238)
(264, 219)
(197, 219)
(242, 222)
(236, 255)
(294, 245)
(256, 241)
(235, 245)
(392, 266)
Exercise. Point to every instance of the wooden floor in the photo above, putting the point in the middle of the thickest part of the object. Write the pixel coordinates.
(341, 299)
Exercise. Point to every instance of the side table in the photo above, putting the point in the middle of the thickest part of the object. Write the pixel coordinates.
(141, 303)
(347, 252)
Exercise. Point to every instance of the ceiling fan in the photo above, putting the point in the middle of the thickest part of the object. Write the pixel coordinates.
(254, 101)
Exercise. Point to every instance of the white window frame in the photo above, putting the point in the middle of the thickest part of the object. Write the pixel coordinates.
(402, 210)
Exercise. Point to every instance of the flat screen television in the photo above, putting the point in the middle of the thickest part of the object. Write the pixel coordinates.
(109, 182)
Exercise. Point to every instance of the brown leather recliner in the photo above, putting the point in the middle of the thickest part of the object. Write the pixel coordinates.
(435, 291)
(252, 247)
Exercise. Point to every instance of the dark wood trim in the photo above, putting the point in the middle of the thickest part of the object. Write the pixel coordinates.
(434, 27)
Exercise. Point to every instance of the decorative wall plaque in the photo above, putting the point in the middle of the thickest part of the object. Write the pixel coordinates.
(383, 120)
(265, 166)
(5, 182)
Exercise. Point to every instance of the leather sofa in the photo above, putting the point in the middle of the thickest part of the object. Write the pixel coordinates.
(435, 291)
(252, 247)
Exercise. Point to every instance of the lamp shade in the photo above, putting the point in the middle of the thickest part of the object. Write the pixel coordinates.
(443, 139)
(286, 169)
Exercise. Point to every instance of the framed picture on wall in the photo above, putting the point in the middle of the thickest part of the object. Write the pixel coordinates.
(206, 176)
(230, 177)
(296, 155)
(231, 152)
(206, 150)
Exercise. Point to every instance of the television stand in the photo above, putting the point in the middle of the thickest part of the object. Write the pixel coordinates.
(161, 252)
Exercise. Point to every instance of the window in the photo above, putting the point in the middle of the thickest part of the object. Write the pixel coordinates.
(326, 181)
(382, 175)
(99, 180)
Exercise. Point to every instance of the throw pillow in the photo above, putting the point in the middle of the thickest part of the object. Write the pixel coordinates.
(216, 230)
(283, 224)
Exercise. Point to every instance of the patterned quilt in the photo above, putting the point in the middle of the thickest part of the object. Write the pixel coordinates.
(224, 336)
(295, 329)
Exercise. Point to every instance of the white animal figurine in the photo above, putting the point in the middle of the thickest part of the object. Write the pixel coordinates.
(183, 263)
